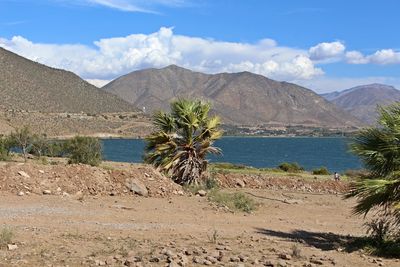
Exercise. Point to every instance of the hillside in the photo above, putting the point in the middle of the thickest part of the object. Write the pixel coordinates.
(30, 86)
(362, 101)
(239, 98)
(59, 103)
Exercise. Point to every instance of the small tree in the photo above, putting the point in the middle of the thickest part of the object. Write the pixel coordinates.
(379, 149)
(6, 145)
(182, 140)
(84, 149)
(40, 145)
(23, 139)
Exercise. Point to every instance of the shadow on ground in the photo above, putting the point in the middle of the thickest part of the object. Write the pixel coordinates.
(320, 240)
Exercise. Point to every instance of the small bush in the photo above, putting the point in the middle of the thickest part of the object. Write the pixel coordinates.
(234, 201)
(321, 171)
(6, 236)
(384, 226)
(84, 149)
(211, 183)
(5, 148)
(290, 167)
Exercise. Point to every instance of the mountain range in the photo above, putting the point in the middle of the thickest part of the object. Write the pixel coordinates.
(362, 101)
(239, 98)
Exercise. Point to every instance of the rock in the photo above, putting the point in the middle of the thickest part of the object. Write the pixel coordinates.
(207, 262)
(202, 193)
(316, 261)
(20, 193)
(41, 171)
(46, 192)
(211, 259)
(240, 183)
(197, 260)
(137, 187)
(12, 247)
(99, 263)
(285, 256)
(24, 174)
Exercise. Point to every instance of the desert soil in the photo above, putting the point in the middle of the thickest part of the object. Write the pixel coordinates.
(108, 225)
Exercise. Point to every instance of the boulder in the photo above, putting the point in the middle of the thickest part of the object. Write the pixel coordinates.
(137, 187)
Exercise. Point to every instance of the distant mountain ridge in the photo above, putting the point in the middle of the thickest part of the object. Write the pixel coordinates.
(362, 101)
(27, 85)
(239, 98)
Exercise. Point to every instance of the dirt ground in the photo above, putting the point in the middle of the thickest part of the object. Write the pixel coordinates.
(289, 228)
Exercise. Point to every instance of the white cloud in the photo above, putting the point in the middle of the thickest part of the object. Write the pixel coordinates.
(355, 57)
(385, 56)
(97, 82)
(113, 57)
(381, 57)
(327, 51)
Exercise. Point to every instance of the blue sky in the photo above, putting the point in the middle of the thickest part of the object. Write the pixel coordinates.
(324, 45)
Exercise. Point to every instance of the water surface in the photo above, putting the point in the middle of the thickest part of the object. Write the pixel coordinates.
(309, 152)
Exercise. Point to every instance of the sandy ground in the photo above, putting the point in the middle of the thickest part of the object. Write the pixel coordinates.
(181, 230)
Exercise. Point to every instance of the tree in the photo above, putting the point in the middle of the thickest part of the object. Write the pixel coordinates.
(23, 139)
(182, 140)
(84, 149)
(6, 144)
(379, 149)
(40, 145)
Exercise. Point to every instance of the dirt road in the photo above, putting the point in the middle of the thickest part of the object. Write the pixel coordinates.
(287, 229)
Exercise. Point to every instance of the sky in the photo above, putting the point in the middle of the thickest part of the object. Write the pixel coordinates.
(323, 45)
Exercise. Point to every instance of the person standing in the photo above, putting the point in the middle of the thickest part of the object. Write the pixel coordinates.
(336, 176)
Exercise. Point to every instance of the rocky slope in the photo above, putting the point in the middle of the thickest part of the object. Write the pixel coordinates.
(239, 98)
(362, 101)
(30, 86)
(59, 103)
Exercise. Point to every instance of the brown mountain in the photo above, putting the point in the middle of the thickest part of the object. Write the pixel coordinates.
(59, 103)
(362, 101)
(30, 86)
(239, 98)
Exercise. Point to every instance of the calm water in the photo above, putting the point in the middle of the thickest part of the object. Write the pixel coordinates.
(259, 152)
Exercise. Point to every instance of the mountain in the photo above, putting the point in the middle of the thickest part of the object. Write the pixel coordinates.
(362, 101)
(60, 104)
(239, 98)
(30, 86)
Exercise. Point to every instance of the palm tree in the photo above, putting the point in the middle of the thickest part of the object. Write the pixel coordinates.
(379, 149)
(182, 140)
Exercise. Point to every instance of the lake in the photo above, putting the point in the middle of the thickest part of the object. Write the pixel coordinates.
(260, 152)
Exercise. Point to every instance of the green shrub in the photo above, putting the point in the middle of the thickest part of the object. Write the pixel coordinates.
(211, 183)
(321, 171)
(5, 147)
(235, 201)
(290, 167)
(84, 149)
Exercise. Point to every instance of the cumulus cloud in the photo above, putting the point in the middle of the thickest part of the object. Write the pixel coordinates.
(327, 51)
(113, 57)
(381, 57)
